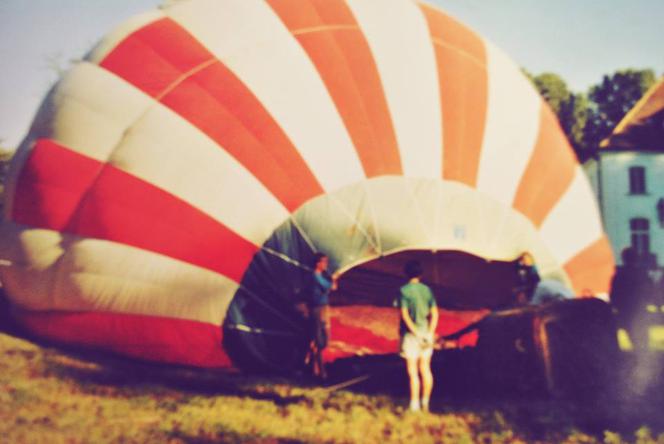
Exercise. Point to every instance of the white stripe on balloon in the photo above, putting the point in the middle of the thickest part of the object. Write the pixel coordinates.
(399, 38)
(574, 222)
(512, 125)
(104, 276)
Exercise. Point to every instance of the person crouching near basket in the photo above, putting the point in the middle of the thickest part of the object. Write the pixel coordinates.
(419, 317)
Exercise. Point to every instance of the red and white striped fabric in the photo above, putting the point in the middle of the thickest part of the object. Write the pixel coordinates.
(161, 164)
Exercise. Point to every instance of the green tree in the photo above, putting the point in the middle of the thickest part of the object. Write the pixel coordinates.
(570, 108)
(553, 89)
(573, 116)
(610, 100)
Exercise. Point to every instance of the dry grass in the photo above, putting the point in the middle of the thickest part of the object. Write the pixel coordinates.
(50, 396)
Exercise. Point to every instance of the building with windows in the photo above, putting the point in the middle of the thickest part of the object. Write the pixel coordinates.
(628, 176)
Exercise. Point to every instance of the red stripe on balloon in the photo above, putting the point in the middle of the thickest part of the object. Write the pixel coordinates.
(461, 59)
(549, 173)
(101, 201)
(348, 341)
(155, 56)
(329, 33)
(51, 185)
(351, 338)
(150, 338)
(165, 61)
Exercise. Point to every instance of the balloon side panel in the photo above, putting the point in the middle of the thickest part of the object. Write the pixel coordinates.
(463, 81)
(107, 203)
(331, 36)
(293, 94)
(149, 338)
(63, 285)
(399, 39)
(549, 173)
(203, 91)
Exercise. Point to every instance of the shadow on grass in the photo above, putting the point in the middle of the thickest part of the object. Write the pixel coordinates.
(633, 398)
(7, 323)
(223, 436)
(115, 371)
(458, 390)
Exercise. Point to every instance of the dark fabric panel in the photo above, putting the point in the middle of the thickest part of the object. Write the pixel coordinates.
(264, 328)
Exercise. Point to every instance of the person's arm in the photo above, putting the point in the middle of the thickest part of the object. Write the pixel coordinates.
(325, 281)
(325, 317)
(334, 285)
(407, 320)
(433, 323)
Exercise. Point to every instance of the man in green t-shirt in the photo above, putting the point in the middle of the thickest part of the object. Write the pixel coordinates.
(419, 317)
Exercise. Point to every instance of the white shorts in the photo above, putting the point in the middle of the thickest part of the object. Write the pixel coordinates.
(415, 347)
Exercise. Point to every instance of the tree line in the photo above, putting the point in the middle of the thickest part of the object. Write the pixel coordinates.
(588, 118)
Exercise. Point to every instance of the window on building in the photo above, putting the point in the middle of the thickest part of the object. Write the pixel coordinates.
(637, 180)
(640, 228)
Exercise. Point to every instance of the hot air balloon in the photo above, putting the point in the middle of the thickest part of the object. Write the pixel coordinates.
(177, 181)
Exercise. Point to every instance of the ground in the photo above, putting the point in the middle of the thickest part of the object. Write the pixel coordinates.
(52, 394)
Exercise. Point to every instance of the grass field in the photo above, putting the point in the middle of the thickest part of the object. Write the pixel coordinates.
(48, 395)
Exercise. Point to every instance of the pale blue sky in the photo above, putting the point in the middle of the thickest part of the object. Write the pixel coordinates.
(579, 39)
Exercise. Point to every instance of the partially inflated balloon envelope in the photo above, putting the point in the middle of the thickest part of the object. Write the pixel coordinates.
(176, 182)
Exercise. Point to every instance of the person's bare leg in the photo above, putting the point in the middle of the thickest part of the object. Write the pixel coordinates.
(427, 380)
(411, 364)
(321, 365)
(309, 358)
(314, 360)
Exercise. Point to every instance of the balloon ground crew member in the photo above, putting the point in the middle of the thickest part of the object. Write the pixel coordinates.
(419, 317)
(527, 278)
(319, 313)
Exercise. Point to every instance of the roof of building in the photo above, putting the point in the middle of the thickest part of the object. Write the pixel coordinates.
(642, 128)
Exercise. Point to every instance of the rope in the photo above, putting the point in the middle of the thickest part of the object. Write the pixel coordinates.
(348, 383)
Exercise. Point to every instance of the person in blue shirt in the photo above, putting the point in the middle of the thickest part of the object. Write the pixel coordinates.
(319, 312)
(419, 318)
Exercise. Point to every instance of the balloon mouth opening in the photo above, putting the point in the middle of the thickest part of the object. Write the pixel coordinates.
(264, 331)
(459, 280)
